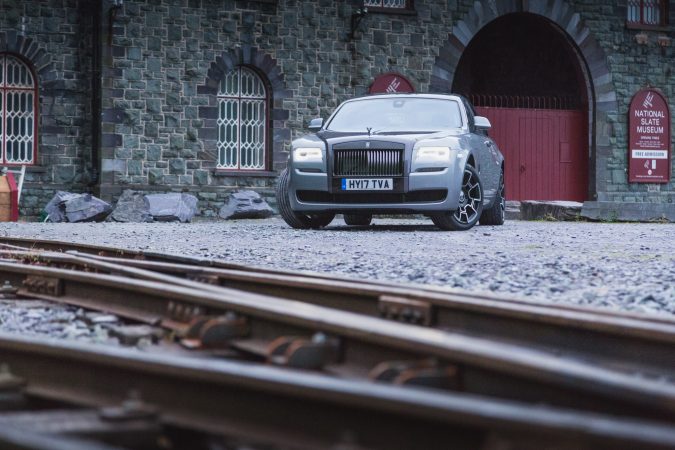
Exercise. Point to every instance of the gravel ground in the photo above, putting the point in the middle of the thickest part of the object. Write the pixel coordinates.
(614, 265)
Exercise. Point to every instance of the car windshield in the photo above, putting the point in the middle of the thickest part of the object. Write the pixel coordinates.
(397, 115)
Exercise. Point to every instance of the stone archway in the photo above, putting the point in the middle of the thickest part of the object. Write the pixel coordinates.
(266, 66)
(13, 42)
(600, 89)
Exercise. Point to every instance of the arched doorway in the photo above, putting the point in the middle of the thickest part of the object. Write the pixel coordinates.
(522, 72)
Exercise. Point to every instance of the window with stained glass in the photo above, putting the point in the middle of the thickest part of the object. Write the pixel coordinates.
(242, 121)
(400, 4)
(648, 13)
(18, 94)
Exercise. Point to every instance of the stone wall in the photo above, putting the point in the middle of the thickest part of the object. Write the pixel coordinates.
(163, 60)
(51, 35)
(617, 66)
(632, 68)
(167, 58)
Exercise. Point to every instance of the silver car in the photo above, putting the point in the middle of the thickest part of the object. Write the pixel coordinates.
(395, 154)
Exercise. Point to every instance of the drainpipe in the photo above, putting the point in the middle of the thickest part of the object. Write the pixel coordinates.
(96, 93)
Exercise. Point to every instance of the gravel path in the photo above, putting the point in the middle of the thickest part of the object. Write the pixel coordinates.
(615, 265)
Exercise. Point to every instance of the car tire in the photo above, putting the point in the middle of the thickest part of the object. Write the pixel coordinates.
(470, 208)
(496, 214)
(295, 219)
(358, 219)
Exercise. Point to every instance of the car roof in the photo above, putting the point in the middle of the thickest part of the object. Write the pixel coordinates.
(407, 95)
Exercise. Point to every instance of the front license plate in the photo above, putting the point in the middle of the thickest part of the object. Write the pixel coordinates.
(367, 184)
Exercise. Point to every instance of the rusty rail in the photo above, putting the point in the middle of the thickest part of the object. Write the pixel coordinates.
(139, 258)
(623, 343)
(268, 405)
(297, 334)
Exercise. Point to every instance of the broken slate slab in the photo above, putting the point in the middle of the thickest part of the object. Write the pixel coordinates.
(245, 205)
(87, 208)
(55, 209)
(69, 207)
(172, 207)
(131, 207)
(550, 210)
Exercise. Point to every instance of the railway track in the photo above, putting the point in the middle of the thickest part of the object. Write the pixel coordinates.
(259, 406)
(611, 366)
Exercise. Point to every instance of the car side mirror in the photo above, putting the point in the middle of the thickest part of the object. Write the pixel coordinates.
(315, 124)
(482, 123)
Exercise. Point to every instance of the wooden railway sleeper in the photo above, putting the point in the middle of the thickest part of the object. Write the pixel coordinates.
(215, 332)
(406, 310)
(302, 353)
(425, 372)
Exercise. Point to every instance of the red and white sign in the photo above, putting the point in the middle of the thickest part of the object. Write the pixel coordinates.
(391, 83)
(648, 138)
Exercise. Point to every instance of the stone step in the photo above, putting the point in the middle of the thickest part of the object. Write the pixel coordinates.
(550, 210)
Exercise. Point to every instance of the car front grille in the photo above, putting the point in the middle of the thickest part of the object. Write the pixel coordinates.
(368, 163)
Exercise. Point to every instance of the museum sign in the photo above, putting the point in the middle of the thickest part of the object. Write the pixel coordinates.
(648, 138)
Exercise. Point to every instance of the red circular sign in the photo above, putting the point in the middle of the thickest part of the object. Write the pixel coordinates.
(391, 83)
(649, 138)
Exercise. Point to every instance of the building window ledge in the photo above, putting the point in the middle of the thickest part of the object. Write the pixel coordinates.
(244, 173)
(641, 26)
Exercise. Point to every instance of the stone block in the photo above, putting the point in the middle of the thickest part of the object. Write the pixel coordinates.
(550, 210)
(177, 166)
(245, 205)
(612, 211)
(172, 207)
(131, 207)
(69, 207)
(155, 176)
(201, 177)
(154, 152)
(64, 174)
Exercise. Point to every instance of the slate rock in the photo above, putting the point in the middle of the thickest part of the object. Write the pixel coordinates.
(70, 207)
(131, 207)
(87, 208)
(171, 207)
(55, 209)
(245, 205)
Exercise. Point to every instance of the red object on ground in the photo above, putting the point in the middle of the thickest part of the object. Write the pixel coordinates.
(9, 199)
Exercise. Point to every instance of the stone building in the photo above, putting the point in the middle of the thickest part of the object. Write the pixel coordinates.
(204, 96)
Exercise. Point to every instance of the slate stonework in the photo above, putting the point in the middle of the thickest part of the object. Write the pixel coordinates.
(164, 59)
(48, 35)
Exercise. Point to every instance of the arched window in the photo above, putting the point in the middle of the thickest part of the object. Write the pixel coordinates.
(18, 96)
(242, 121)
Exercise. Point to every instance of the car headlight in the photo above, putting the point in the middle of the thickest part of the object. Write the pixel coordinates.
(432, 155)
(308, 154)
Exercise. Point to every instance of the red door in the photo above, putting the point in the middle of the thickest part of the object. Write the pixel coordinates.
(544, 152)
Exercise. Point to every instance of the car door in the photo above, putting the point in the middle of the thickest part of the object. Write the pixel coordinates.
(485, 151)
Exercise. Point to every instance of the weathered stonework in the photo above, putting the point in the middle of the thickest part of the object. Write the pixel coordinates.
(162, 63)
(47, 35)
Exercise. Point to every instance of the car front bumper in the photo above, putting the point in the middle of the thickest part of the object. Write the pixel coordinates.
(418, 192)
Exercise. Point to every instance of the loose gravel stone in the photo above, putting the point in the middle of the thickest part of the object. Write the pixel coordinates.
(620, 266)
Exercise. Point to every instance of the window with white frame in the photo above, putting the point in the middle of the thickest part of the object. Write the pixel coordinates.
(242, 121)
(18, 97)
(646, 13)
(400, 4)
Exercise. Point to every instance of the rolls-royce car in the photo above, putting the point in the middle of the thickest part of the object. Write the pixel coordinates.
(424, 154)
